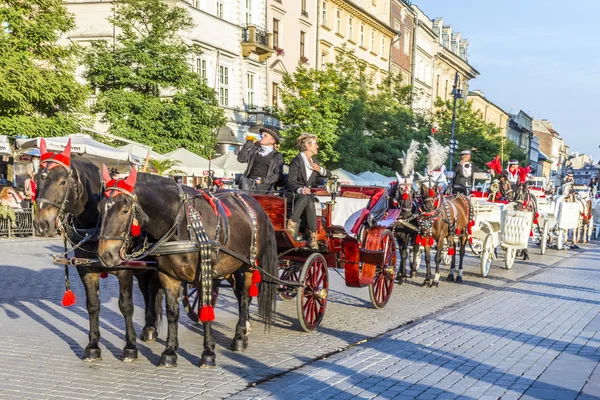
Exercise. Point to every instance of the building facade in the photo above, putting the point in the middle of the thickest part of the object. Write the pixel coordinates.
(490, 112)
(361, 26)
(424, 50)
(232, 62)
(402, 19)
(552, 145)
(293, 25)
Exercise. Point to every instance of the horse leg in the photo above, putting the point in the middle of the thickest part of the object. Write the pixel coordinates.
(91, 283)
(438, 260)
(525, 255)
(403, 243)
(450, 277)
(168, 358)
(240, 340)
(415, 254)
(463, 250)
(150, 287)
(427, 281)
(130, 352)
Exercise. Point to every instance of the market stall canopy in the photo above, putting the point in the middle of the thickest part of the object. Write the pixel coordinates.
(5, 149)
(85, 146)
(192, 164)
(376, 179)
(230, 165)
(347, 178)
(141, 151)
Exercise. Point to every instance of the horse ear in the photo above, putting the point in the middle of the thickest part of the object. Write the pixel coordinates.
(398, 176)
(67, 151)
(105, 174)
(43, 148)
(130, 180)
(421, 177)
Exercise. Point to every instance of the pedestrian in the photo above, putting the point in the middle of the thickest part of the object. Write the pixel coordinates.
(3, 181)
(30, 189)
(302, 175)
(264, 160)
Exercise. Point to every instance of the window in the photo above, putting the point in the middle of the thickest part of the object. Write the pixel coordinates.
(248, 12)
(372, 45)
(446, 90)
(382, 49)
(397, 29)
(275, 95)
(437, 87)
(323, 60)
(406, 41)
(362, 35)
(275, 32)
(324, 19)
(220, 8)
(302, 43)
(304, 10)
(201, 67)
(338, 21)
(224, 85)
(250, 96)
(351, 28)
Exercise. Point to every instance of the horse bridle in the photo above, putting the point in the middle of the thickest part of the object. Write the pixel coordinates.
(109, 204)
(71, 181)
(407, 190)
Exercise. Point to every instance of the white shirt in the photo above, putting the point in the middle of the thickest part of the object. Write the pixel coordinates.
(265, 150)
(512, 177)
(308, 168)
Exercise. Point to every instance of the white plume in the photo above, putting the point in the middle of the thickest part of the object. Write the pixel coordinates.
(436, 154)
(409, 158)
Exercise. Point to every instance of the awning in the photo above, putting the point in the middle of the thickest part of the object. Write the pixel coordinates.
(194, 165)
(5, 148)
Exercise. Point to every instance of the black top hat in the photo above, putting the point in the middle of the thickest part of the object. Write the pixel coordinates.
(465, 152)
(273, 131)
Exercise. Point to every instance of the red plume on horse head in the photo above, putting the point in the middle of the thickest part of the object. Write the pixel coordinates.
(523, 172)
(126, 184)
(64, 157)
(496, 165)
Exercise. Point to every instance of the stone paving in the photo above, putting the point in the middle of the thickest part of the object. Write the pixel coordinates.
(42, 342)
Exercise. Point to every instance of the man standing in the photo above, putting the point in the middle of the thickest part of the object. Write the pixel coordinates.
(30, 189)
(463, 173)
(264, 161)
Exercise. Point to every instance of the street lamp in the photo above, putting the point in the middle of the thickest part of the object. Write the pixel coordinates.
(456, 94)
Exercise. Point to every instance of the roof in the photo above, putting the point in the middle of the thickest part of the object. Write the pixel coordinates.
(542, 155)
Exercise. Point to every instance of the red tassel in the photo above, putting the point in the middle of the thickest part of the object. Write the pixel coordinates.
(431, 241)
(418, 239)
(525, 203)
(207, 313)
(405, 196)
(451, 251)
(104, 275)
(471, 240)
(498, 194)
(395, 203)
(531, 233)
(537, 215)
(431, 193)
(535, 221)
(136, 230)
(253, 291)
(436, 203)
(69, 298)
(458, 231)
(256, 278)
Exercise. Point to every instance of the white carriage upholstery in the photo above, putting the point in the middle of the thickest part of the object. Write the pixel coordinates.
(568, 215)
(344, 208)
(516, 226)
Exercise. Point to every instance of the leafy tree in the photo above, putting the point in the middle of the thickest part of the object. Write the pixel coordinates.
(148, 91)
(39, 94)
(164, 167)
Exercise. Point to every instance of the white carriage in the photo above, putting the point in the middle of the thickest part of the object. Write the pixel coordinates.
(516, 230)
(486, 231)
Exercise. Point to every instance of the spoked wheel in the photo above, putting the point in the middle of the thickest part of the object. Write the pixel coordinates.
(383, 282)
(560, 239)
(544, 239)
(486, 255)
(312, 294)
(292, 274)
(511, 254)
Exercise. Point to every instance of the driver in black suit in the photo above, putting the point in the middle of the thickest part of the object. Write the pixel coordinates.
(302, 175)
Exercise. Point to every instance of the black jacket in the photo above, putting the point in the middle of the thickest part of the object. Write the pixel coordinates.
(459, 175)
(297, 178)
(248, 153)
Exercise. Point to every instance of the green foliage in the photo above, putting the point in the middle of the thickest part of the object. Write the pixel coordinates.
(165, 167)
(8, 213)
(39, 95)
(148, 92)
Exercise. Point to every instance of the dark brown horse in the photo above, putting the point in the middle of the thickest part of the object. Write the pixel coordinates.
(442, 219)
(68, 192)
(172, 213)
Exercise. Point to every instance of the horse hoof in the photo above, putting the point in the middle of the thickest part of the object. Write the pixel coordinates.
(239, 344)
(435, 284)
(149, 334)
(450, 278)
(459, 279)
(168, 361)
(413, 274)
(90, 355)
(129, 355)
(208, 360)
(427, 282)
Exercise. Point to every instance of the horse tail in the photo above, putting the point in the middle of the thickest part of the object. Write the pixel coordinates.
(269, 264)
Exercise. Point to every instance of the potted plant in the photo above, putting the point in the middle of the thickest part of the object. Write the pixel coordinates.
(279, 50)
(304, 60)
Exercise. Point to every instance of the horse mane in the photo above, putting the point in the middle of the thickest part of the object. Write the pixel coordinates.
(409, 158)
(436, 154)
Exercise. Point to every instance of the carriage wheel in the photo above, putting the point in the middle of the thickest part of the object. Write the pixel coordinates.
(287, 293)
(486, 255)
(511, 254)
(544, 241)
(380, 290)
(312, 295)
(560, 240)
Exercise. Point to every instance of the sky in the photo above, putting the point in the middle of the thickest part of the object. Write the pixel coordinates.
(542, 57)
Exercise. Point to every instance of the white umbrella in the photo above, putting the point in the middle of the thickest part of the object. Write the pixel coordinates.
(192, 164)
(347, 178)
(141, 151)
(230, 164)
(375, 178)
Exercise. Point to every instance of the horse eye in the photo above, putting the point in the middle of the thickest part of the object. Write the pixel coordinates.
(63, 183)
(125, 210)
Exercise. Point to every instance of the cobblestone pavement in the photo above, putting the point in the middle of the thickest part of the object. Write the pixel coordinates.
(465, 347)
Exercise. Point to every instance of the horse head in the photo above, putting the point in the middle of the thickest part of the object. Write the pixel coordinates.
(505, 187)
(58, 188)
(118, 210)
(429, 192)
(404, 195)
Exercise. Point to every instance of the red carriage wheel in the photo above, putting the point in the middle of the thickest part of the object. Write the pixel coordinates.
(292, 274)
(380, 290)
(312, 294)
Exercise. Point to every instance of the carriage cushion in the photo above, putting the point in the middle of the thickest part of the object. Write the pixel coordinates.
(321, 192)
(355, 195)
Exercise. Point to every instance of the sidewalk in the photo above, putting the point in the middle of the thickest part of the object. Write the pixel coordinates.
(536, 339)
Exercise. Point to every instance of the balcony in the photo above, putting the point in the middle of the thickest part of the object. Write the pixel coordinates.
(258, 41)
(261, 116)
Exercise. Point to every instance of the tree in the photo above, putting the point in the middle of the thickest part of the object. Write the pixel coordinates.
(165, 167)
(39, 94)
(148, 91)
